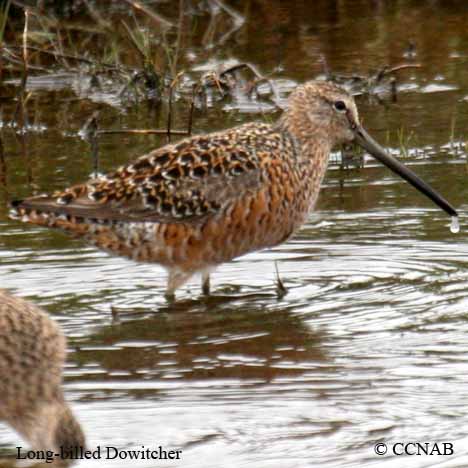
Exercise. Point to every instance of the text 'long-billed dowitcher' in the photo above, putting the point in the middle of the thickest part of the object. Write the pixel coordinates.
(32, 353)
(205, 200)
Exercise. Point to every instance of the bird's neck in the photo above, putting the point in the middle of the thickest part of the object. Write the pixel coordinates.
(313, 169)
(312, 146)
(312, 136)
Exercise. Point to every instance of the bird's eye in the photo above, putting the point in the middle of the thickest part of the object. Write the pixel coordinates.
(340, 106)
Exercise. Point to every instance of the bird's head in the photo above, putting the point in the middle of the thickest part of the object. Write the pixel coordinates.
(321, 115)
(322, 109)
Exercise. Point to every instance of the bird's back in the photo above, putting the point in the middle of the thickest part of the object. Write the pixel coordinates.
(200, 202)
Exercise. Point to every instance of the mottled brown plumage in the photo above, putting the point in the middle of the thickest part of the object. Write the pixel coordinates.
(32, 353)
(193, 205)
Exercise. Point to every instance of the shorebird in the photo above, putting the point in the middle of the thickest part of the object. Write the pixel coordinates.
(207, 199)
(32, 353)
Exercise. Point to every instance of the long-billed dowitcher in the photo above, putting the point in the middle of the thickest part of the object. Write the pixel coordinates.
(201, 202)
(32, 353)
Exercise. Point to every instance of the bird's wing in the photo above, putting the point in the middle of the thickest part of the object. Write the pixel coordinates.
(176, 183)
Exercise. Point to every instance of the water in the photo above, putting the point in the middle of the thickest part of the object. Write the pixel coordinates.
(368, 345)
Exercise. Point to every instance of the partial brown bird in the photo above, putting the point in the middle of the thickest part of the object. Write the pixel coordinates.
(207, 199)
(32, 353)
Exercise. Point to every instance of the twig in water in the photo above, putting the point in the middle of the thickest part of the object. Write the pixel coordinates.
(386, 70)
(368, 84)
(100, 21)
(7, 55)
(3, 171)
(393, 88)
(259, 78)
(452, 130)
(2, 152)
(180, 29)
(237, 20)
(135, 42)
(115, 315)
(141, 132)
(2, 163)
(135, 77)
(25, 51)
(76, 58)
(192, 108)
(3, 21)
(326, 68)
(169, 112)
(20, 113)
(281, 290)
(90, 134)
(214, 79)
(154, 16)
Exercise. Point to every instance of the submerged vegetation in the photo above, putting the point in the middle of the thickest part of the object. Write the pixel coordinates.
(132, 55)
(174, 61)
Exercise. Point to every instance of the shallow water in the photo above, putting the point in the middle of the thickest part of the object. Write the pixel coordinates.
(370, 343)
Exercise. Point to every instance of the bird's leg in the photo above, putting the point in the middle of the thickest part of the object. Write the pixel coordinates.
(281, 289)
(206, 283)
(175, 279)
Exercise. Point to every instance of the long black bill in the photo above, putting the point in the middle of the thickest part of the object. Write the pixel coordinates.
(369, 144)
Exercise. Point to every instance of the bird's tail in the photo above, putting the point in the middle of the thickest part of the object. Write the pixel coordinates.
(45, 211)
(79, 221)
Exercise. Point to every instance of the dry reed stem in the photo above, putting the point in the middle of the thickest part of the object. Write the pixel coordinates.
(157, 18)
(141, 131)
